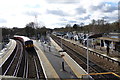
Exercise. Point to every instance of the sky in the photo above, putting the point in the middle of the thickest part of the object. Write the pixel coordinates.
(56, 13)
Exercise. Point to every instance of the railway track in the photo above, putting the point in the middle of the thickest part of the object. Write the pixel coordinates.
(34, 70)
(12, 69)
(25, 71)
(23, 64)
(31, 68)
(82, 61)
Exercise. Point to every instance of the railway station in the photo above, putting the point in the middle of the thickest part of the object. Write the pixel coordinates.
(54, 59)
(60, 40)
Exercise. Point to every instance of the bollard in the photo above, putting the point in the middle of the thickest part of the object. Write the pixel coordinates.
(63, 66)
(49, 49)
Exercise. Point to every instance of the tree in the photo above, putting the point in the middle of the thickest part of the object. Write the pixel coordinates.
(81, 24)
(75, 26)
(68, 25)
(93, 22)
(30, 29)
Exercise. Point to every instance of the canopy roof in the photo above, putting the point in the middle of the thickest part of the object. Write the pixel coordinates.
(109, 39)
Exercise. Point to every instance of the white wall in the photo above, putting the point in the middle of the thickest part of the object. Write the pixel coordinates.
(0, 38)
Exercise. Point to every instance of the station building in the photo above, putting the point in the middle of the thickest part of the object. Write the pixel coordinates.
(0, 38)
(112, 41)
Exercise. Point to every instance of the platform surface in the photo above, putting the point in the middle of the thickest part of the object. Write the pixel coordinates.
(7, 53)
(45, 63)
(78, 70)
(56, 61)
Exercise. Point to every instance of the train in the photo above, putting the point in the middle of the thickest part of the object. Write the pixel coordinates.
(27, 42)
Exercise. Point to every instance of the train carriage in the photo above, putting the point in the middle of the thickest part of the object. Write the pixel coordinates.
(27, 42)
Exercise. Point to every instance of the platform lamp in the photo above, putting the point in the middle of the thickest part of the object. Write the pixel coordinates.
(91, 37)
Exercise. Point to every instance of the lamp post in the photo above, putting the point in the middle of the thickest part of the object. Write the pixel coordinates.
(61, 41)
(87, 56)
(90, 37)
(35, 26)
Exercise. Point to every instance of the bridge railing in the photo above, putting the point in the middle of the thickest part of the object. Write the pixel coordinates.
(108, 75)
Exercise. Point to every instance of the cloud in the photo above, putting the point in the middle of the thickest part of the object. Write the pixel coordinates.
(3, 20)
(106, 17)
(80, 10)
(58, 25)
(72, 21)
(63, 19)
(110, 18)
(105, 7)
(32, 13)
(33, 6)
(63, 1)
(57, 12)
(85, 17)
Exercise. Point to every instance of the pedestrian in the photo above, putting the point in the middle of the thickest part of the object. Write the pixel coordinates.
(85, 42)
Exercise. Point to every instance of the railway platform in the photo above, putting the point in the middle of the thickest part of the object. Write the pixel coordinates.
(45, 63)
(5, 54)
(56, 58)
(56, 61)
(78, 70)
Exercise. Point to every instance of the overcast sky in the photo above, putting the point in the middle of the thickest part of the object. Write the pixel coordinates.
(56, 13)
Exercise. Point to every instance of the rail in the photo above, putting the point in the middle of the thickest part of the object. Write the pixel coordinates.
(96, 52)
(96, 68)
(19, 62)
(25, 74)
(10, 63)
(37, 71)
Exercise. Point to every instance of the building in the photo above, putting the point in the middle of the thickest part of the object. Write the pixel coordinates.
(0, 38)
(112, 40)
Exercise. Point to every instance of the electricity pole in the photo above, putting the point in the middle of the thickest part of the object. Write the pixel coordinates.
(35, 26)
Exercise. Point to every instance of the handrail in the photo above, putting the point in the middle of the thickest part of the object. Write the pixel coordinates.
(101, 74)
